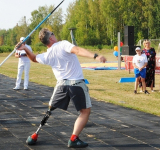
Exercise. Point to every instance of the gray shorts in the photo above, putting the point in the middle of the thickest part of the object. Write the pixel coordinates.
(74, 90)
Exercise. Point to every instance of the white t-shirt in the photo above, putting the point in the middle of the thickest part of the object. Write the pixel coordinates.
(65, 65)
(23, 59)
(140, 60)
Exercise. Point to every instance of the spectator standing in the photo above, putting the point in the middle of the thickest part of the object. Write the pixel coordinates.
(23, 65)
(140, 63)
(151, 66)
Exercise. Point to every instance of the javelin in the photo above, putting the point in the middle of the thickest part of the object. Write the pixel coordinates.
(31, 32)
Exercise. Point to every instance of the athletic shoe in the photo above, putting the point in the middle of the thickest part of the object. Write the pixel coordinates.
(77, 144)
(16, 88)
(25, 88)
(141, 91)
(152, 90)
(135, 92)
(146, 92)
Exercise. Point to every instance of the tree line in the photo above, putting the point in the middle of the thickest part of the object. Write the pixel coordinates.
(96, 22)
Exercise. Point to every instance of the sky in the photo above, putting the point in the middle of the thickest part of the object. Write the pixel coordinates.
(12, 11)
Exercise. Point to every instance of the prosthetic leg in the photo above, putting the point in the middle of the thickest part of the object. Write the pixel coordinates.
(31, 140)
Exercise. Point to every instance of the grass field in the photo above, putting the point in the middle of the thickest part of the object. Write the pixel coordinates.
(104, 85)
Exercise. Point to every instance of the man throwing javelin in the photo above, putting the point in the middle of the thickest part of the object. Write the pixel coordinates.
(61, 56)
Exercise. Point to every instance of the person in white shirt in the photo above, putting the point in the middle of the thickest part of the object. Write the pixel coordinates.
(23, 65)
(140, 62)
(61, 56)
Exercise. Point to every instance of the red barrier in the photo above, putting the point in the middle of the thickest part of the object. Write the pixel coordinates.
(129, 66)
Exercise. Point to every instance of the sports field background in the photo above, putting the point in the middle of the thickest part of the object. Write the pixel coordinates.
(104, 84)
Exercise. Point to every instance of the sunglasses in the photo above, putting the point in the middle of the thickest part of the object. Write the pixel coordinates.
(52, 33)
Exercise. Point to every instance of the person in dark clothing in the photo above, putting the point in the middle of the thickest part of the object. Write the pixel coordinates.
(150, 68)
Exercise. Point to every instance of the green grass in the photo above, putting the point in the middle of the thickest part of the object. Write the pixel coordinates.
(104, 85)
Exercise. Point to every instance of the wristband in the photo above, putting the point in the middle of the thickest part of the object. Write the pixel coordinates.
(95, 55)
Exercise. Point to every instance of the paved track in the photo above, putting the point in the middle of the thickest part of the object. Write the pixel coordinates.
(110, 127)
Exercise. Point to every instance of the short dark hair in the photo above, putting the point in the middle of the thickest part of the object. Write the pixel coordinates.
(44, 36)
